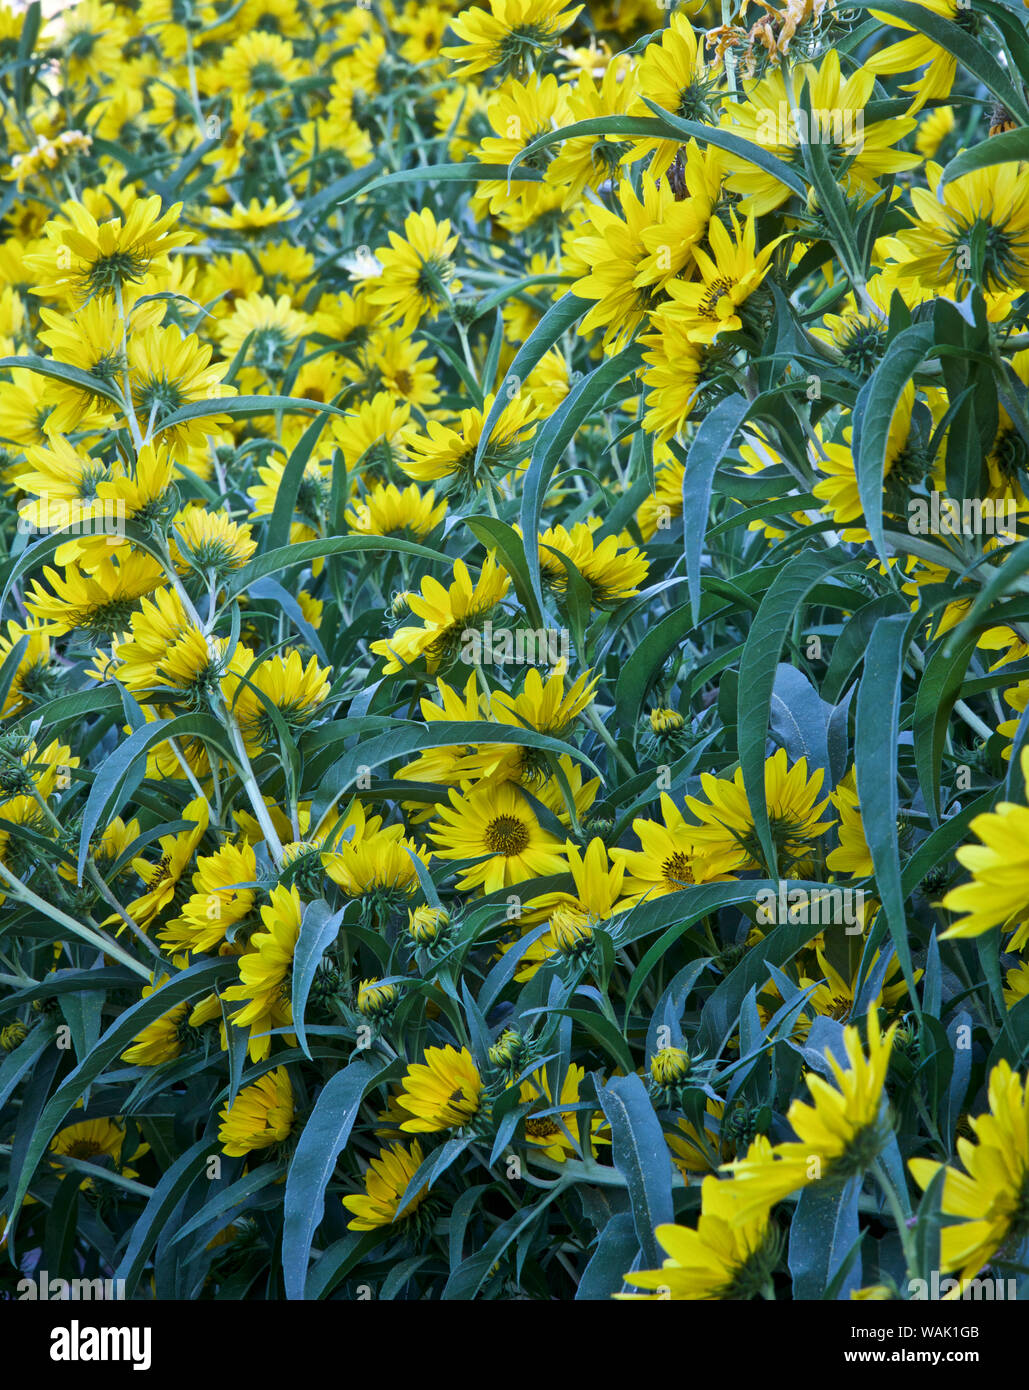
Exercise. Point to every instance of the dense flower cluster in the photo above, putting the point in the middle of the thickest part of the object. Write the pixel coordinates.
(514, 633)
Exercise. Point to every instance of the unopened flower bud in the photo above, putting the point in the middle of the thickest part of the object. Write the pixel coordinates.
(427, 924)
(12, 1036)
(669, 1066)
(571, 932)
(508, 1050)
(374, 998)
(665, 721)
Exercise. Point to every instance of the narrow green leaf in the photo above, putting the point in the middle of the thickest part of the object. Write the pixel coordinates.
(876, 404)
(505, 540)
(768, 634)
(550, 329)
(823, 1232)
(115, 771)
(187, 985)
(552, 440)
(467, 172)
(407, 740)
(274, 561)
(324, 1137)
(938, 688)
(677, 128)
(711, 443)
(319, 928)
(62, 371)
(148, 1224)
(875, 755)
(277, 533)
(928, 1226)
(641, 1155)
(245, 406)
(970, 53)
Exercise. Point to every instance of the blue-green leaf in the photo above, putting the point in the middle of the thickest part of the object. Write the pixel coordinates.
(324, 1137)
(641, 1156)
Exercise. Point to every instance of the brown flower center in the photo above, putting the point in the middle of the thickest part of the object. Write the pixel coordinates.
(506, 835)
(542, 1129)
(84, 1149)
(677, 872)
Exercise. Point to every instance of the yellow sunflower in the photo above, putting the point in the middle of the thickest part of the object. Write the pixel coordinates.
(727, 1257)
(674, 74)
(859, 152)
(672, 856)
(260, 1117)
(990, 1194)
(385, 1182)
(557, 1134)
(729, 277)
(265, 971)
(295, 691)
(442, 1092)
(510, 36)
(840, 1135)
(793, 805)
(417, 278)
(998, 894)
(446, 615)
(386, 510)
(85, 257)
(496, 825)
